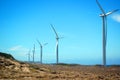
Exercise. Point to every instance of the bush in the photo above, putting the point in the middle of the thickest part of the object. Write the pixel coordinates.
(65, 64)
(5, 55)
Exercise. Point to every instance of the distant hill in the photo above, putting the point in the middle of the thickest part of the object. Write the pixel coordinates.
(5, 55)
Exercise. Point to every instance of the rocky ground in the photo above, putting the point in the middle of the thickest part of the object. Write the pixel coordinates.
(14, 70)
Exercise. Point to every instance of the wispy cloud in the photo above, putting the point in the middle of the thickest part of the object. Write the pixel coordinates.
(18, 48)
(19, 52)
(116, 17)
(15, 48)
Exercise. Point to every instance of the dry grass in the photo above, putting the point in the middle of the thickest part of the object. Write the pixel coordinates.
(14, 70)
(63, 72)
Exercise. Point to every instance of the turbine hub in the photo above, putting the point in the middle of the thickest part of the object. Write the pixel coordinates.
(57, 38)
(102, 15)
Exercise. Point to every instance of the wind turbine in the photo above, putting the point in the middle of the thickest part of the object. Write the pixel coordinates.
(104, 20)
(57, 41)
(41, 47)
(29, 55)
(33, 52)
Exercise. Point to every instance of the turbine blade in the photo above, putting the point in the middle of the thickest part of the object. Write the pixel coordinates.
(39, 42)
(61, 37)
(54, 31)
(45, 44)
(111, 12)
(100, 7)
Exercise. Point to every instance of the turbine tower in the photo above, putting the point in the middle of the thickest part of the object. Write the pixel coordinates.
(29, 55)
(104, 27)
(33, 52)
(57, 41)
(41, 52)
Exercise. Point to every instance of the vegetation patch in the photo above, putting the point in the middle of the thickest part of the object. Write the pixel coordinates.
(5, 55)
(65, 64)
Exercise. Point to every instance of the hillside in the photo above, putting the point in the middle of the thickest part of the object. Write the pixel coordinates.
(7, 56)
(8, 62)
(10, 69)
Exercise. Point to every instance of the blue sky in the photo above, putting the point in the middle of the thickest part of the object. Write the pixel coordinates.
(78, 21)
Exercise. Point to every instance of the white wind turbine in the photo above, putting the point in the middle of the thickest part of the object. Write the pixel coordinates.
(104, 20)
(33, 52)
(41, 52)
(29, 55)
(57, 41)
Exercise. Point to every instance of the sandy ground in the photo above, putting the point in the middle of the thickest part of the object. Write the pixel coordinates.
(62, 72)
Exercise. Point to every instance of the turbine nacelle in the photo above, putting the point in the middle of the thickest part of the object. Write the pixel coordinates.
(45, 44)
(102, 15)
(59, 38)
(41, 44)
(110, 12)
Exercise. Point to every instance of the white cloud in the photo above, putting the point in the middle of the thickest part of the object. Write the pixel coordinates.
(116, 17)
(15, 48)
(18, 48)
(19, 52)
